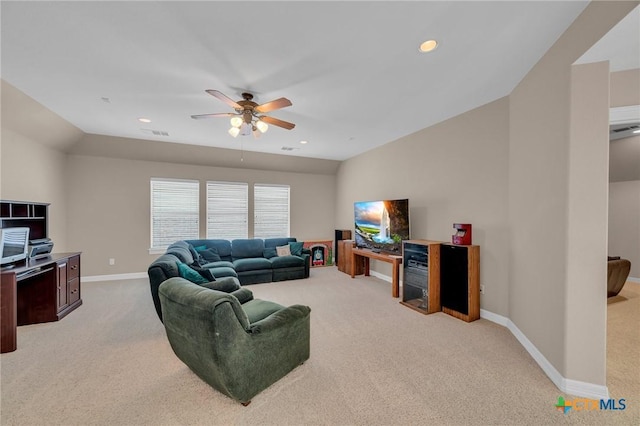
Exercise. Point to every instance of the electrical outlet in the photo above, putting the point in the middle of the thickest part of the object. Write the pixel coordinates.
(112, 261)
(482, 289)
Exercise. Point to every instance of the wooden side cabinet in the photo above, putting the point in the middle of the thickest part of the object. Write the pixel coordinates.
(460, 281)
(68, 285)
(345, 258)
(421, 275)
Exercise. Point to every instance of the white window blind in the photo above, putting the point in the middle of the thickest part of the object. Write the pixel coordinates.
(174, 211)
(227, 210)
(271, 211)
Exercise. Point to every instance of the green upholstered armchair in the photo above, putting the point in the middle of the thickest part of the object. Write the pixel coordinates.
(239, 347)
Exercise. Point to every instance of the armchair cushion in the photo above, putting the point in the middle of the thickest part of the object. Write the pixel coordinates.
(257, 309)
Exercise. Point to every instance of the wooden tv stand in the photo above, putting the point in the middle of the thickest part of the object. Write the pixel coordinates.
(389, 258)
(37, 291)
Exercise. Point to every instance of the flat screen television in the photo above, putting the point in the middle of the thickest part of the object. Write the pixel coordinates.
(381, 225)
(14, 245)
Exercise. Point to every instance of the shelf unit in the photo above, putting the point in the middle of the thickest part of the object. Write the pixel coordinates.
(14, 214)
(421, 275)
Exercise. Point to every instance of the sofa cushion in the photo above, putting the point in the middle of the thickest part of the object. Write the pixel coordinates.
(189, 274)
(257, 309)
(251, 264)
(296, 248)
(287, 261)
(247, 248)
(283, 250)
(223, 271)
(220, 264)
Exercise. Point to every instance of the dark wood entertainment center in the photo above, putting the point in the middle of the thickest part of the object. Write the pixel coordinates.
(38, 290)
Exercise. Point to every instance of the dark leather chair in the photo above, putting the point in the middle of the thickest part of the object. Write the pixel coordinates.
(617, 274)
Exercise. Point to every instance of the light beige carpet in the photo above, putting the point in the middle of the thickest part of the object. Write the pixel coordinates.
(373, 362)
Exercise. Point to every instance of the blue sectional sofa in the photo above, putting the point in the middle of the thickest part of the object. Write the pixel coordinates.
(230, 263)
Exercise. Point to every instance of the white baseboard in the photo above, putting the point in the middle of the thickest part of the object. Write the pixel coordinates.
(634, 280)
(381, 276)
(568, 386)
(114, 277)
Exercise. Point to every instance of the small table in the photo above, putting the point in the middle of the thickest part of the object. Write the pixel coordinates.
(389, 258)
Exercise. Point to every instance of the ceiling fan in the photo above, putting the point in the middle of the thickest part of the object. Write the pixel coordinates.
(249, 116)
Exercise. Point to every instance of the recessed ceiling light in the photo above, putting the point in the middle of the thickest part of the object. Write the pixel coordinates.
(304, 142)
(428, 46)
(636, 131)
(144, 120)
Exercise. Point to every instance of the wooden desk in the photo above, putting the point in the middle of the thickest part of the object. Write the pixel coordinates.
(395, 261)
(36, 291)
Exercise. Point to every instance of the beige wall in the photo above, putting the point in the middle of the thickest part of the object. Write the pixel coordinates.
(625, 88)
(624, 223)
(455, 171)
(109, 205)
(34, 172)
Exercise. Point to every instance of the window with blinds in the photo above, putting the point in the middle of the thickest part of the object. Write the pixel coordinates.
(227, 210)
(271, 210)
(174, 211)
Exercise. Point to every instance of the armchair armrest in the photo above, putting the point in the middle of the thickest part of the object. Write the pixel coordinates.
(224, 284)
(280, 318)
(243, 295)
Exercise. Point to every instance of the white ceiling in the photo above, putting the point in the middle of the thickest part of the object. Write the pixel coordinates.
(351, 69)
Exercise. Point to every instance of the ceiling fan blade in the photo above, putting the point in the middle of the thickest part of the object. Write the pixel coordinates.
(273, 105)
(224, 98)
(218, 114)
(277, 122)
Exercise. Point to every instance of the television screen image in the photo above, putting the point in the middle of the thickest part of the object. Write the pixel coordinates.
(382, 225)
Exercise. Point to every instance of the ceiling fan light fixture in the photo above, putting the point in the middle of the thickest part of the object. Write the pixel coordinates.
(234, 131)
(236, 121)
(262, 126)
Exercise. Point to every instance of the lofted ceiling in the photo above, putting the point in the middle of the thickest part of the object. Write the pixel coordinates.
(351, 69)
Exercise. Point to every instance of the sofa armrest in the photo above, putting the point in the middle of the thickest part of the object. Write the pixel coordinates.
(224, 284)
(243, 295)
(307, 264)
(281, 318)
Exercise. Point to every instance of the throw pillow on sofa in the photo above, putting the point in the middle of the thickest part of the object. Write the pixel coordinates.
(296, 248)
(206, 273)
(270, 252)
(210, 254)
(283, 250)
(190, 274)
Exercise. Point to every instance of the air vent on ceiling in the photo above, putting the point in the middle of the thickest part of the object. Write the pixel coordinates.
(155, 132)
(624, 129)
(288, 148)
